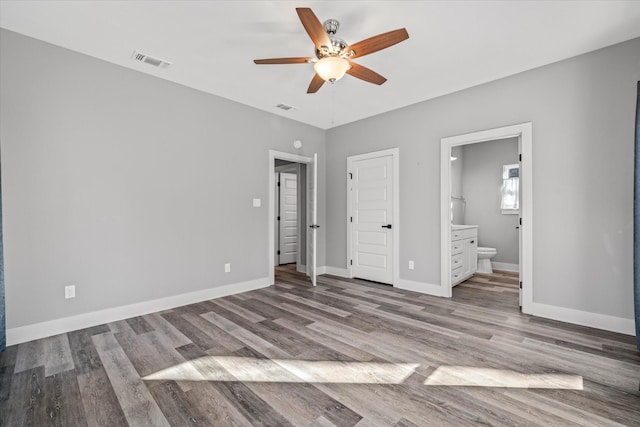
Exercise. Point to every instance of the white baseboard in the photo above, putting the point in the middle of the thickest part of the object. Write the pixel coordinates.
(85, 320)
(505, 266)
(424, 288)
(584, 318)
(334, 271)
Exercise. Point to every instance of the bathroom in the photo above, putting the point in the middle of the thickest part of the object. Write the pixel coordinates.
(484, 193)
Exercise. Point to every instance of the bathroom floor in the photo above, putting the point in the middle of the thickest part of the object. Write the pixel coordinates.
(498, 290)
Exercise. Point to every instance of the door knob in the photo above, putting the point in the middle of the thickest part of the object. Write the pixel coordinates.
(314, 226)
(387, 226)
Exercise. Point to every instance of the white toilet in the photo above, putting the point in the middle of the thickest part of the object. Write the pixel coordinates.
(484, 259)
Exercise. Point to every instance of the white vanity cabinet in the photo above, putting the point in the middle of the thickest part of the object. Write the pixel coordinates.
(464, 252)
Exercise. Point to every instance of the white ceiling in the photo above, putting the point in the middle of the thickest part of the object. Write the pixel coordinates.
(453, 44)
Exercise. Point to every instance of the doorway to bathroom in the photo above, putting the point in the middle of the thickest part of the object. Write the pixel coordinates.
(487, 225)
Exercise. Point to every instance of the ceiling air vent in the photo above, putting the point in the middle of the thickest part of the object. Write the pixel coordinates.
(285, 107)
(156, 62)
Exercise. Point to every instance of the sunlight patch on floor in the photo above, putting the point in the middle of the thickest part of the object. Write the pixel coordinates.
(223, 368)
(488, 377)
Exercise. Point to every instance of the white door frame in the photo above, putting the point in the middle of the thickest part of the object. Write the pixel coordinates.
(395, 156)
(273, 155)
(524, 133)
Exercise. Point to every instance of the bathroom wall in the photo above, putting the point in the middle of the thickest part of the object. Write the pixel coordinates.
(481, 183)
(457, 205)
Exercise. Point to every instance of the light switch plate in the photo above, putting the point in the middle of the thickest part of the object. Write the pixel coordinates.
(69, 291)
(257, 203)
(411, 265)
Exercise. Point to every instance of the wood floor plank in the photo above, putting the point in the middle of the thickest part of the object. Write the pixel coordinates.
(269, 309)
(247, 337)
(569, 414)
(253, 408)
(83, 352)
(101, 406)
(256, 410)
(7, 370)
(146, 353)
(189, 330)
(63, 400)
(162, 327)
(327, 340)
(139, 325)
(137, 403)
(26, 406)
(224, 341)
(214, 406)
(239, 310)
(176, 406)
(301, 402)
(57, 355)
(30, 355)
(344, 353)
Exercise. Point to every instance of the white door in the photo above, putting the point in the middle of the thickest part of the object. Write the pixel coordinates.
(372, 218)
(288, 218)
(276, 209)
(312, 217)
(519, 227)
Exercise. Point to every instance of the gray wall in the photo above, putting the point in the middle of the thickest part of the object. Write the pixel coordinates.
(582, 111)
(457, 194)
(128, 186)
(482, 182)
(118, 182)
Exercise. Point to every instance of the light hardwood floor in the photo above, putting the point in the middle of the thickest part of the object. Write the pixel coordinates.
(346, 353)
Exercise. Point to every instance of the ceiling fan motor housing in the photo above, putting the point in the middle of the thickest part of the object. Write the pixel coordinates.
(331, 25)
(338, 45)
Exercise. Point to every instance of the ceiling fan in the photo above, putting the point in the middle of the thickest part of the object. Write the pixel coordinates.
(333, 55)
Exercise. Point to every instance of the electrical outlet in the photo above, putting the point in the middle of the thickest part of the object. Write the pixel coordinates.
(227, 268)
(411, 265)
(69, 292)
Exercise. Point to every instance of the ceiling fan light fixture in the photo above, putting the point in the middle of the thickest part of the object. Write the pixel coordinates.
(331, 68)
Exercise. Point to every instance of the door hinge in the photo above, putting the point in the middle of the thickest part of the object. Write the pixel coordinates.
(278, 252)
(520, 285)
(351, 219)
(520, 221)
(278, 218)
(278, 183)
(519, 157)
(351, 262)
(350, 175)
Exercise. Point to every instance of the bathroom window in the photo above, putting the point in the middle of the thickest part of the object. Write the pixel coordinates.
(510, 203)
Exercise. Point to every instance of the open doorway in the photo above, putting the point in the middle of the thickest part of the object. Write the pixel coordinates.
(485, 254)
(294, 233)
(290, 214)
(460, 241)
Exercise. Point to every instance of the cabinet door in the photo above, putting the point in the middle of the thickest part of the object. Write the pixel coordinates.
(470, 256)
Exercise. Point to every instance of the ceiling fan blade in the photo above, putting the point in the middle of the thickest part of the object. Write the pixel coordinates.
(283, 61)
(316, 83)
(379, 42)
(366, 74)
(313, 27)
